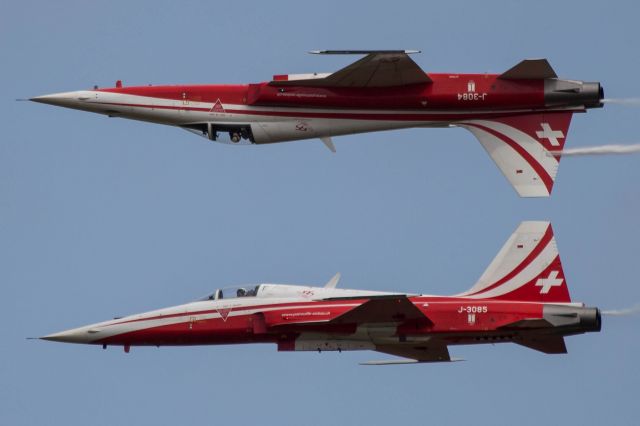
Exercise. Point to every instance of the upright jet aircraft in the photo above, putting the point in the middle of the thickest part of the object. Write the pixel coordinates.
(521, 117)
(522, 297)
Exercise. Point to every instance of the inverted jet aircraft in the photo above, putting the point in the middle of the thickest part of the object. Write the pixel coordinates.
(522, 298)
(521, 117)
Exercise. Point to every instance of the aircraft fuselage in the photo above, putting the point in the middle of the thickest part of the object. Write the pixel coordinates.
(263, 113)
(284, 321)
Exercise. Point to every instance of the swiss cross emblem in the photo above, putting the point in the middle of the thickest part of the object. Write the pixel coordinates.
(552, 280)
(548, 133)
(217, 107)
(224, 313)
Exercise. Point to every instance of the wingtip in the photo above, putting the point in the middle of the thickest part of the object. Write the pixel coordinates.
(361, 52)
(390, 362)
(405, 361)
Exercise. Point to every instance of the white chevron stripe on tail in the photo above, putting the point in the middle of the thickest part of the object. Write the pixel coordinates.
(530, 145)
(527, 268)
(523, 147)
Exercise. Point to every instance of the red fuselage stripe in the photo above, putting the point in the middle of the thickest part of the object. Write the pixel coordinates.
(301, 305)
(329, 115)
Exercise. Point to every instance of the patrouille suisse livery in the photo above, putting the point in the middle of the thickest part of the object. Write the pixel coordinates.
(521, 117)
(522, 298)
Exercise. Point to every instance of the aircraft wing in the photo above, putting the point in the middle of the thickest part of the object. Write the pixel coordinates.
(377, 309)
(379, 68)
(429, 352)
(529, 69)
(397, 308)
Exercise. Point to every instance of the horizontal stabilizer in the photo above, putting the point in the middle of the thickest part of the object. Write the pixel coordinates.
(529, 69)
(527, 324)
(546, 344)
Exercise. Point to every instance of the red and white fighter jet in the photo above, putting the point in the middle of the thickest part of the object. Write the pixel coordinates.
(522, 297)
(521, 117)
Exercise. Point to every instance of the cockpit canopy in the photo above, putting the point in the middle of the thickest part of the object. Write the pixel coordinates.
(233, 292)
(286, 291)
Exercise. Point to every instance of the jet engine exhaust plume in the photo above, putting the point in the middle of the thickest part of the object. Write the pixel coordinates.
(634, 310)
(622, 101)
(600, 150)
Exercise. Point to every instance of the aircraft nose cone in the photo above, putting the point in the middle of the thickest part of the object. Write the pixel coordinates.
(66, 99)
(57, 99)
(76, 335)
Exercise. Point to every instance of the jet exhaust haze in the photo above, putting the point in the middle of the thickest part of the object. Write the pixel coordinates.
(614, 149)
(634, 310)
(622, 101)
(600, 150)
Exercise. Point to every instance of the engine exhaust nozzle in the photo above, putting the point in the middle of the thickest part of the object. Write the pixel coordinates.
(573, 318)
(573, 93)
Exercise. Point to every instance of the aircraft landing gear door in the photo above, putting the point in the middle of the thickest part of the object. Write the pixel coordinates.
(258, 323)
(235, 134)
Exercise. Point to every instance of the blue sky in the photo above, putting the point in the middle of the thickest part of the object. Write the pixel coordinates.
(105, 217)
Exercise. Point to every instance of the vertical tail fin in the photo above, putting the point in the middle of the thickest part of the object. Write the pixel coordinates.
(527, 268)
(525, 147)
